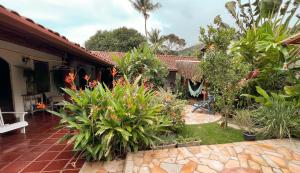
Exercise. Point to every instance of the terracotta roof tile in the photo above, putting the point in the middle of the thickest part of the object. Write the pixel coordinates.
(169, 60)
(14, 16)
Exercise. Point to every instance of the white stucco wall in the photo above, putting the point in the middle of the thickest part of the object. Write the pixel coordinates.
(18, 81)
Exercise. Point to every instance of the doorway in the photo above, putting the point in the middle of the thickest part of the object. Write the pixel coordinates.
(6, 102)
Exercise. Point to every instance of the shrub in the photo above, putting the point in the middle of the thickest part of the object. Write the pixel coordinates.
(277, 117)
(143, 61)
(279, 120)
(223, 73)
(173, 108)
(107, 124)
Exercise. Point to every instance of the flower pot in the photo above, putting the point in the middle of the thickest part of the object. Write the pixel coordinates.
(249, 137)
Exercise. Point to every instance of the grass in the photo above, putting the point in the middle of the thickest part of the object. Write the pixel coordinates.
(211, 133)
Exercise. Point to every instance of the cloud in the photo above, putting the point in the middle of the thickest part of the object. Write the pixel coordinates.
(80, 19)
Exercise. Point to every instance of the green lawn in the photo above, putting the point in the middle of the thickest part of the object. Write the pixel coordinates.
(211, 133)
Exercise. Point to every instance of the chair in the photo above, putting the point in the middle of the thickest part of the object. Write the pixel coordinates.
(18, 125)
(203, 104)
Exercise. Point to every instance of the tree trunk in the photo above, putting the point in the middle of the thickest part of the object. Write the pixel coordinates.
(146, 33)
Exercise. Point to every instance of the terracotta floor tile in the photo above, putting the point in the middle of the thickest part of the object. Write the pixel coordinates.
(29, 156)
(41, 148)
(15, 167)
(37, 149)
(49, 141)
(9, 157)
(48, 156)
(57, 135)
(56, 165)
(36, 166)
(57, 148)
(65, 155)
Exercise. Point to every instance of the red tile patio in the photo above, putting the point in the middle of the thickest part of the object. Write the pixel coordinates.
(39, 150)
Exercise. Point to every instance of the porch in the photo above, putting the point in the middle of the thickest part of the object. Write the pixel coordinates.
(39, 150)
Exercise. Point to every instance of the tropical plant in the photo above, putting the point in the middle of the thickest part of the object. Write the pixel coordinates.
(120, 40)
(218, 37)
(224, 74)
(173, 108)
(144, 7)
(278, 119)
(143, 61)
(245, 121)
(254, 13)
(263, 49)
(106, 124)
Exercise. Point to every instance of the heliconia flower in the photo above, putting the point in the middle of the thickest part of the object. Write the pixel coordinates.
(73, 87)
(114, 72)
(69, 79)
(72, 76)
(40, 106)
(255, 73)
(87, 78)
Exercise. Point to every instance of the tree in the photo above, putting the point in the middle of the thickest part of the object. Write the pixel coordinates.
(165, 44)
(173, 43)
(223, 74)
(143, 61)
(144, 7)
(255, 12)
(155, 38)
(121, 39)
(217, 36)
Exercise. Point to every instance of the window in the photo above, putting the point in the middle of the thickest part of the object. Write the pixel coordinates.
(42, 76)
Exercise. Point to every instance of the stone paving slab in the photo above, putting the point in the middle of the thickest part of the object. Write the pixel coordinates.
(115, 166)
(279, 156)
(199, 116)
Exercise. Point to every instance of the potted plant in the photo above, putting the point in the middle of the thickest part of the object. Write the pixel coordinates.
(245, 122)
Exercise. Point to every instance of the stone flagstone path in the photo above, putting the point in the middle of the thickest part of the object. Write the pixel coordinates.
(278, 156)
(199, 116)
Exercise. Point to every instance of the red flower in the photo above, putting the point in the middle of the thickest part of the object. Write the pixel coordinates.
(87, 78)
(114, 72)
(69, 79)
(255, 73)
(73, 87)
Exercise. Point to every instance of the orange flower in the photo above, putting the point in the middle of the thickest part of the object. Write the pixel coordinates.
(114, 72)
(69, 79)
(87, 78)
(40, 106)
(73, 87)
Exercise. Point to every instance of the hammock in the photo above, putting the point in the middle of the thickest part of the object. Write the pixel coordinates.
(195, 91)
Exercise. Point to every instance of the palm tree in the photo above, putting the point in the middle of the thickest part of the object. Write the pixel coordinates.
(155, 37)
(144, 7)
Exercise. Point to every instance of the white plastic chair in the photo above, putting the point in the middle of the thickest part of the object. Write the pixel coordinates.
(18, 125)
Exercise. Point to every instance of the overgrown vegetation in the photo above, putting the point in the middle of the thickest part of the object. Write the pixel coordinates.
(108, 124)
(118, 40)
(143, 61)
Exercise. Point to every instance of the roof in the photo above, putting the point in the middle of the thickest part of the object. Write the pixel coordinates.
(14, 20)
(295, 39)
(169, 60)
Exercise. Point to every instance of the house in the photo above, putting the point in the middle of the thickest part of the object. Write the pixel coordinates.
(35, 59)
(168, 60)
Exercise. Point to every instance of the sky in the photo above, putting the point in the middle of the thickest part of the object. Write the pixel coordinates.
(80, 19)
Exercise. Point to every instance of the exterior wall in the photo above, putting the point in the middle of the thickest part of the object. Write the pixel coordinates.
(171, 79)
(13, 54)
